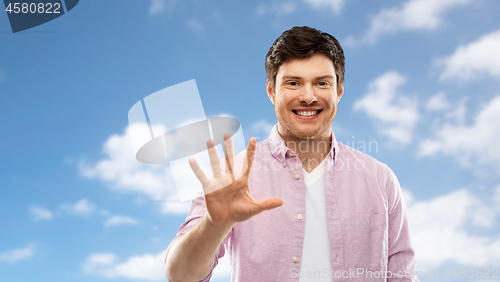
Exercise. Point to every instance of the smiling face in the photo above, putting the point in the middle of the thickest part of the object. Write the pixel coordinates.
(305, 98)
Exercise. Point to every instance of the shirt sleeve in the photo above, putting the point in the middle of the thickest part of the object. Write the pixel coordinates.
(401, 257)
(198, 209)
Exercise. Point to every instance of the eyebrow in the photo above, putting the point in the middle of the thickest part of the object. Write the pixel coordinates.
(298, 77)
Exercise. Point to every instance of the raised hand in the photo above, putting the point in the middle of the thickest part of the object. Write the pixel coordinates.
(227, 196)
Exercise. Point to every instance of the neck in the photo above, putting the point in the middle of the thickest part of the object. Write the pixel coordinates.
(311, 150)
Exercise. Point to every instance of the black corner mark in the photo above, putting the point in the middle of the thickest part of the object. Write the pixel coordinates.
(25, 14)
(70, 4)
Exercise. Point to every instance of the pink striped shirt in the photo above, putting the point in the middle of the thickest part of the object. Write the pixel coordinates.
(366, 217)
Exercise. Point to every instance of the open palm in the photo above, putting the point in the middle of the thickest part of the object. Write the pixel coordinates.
(227, 195)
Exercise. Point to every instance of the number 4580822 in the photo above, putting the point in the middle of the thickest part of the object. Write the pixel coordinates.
(47, 8)
(471, 273)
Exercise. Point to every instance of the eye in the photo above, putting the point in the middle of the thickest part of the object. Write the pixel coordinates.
(323, 83)
(292, 83)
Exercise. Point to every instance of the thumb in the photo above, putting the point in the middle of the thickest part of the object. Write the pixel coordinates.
(269, 203)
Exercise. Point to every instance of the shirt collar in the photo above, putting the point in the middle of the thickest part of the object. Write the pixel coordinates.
(280, 151)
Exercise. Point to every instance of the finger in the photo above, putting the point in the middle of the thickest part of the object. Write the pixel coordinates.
(214, 158)
(229, 168)
(244, 164)
(199, 172)
(229, 154)
(268, 204)
(250, 154)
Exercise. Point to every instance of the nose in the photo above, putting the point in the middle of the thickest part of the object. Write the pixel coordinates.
(308, 95)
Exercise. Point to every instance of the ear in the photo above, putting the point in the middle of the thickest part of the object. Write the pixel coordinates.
(340, 92)
(270, 92)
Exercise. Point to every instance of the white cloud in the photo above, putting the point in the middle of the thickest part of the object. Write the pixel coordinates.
(275, 8)
(440, 230)
(459, 113)
(17, 254)
(81, 208)
(122, 169)
(125, 174)
(411, 15)
(394, 113)
(223, 114)
(145, 267)
(288, 7)
(473, 146)
(475, 60)
(438, 102)
(39, 213)
(157, 6)
(99, 259)
(408, 197)
(261, 129)
(196, 25)
(496, 197)
(335, 5)
(120, 220)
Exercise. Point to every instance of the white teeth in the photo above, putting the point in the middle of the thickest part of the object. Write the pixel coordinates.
(307, 113)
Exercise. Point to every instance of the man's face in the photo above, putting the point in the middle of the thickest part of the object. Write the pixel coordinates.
(306, 97)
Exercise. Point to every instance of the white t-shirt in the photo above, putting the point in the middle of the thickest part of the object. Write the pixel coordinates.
(316, 264)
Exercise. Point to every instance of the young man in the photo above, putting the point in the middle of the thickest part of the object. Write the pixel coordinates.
(331, 212)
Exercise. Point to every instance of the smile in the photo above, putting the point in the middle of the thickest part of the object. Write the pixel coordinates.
(306, 113)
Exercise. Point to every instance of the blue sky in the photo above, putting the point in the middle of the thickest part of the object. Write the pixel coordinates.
(421, 81)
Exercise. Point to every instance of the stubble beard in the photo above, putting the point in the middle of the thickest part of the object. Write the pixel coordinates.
(292, 132)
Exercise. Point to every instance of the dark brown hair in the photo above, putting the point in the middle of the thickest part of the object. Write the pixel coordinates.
(302, 42)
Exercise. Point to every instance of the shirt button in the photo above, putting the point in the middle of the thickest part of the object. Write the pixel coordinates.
(282, 160)
(290, 153)
(295, 259)
(299, 216)
(297, 176)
